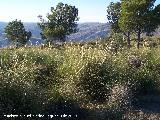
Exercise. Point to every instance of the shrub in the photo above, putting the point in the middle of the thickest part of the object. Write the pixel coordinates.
(19, 99)
(76, 77)
(93, 80)
(151, 42)
(134, 61)
(46, 75)
(120, 97)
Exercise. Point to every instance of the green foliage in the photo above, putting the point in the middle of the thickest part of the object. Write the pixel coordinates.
(113, 15)
(118, 39)
(118, 25)
(134, 13)
(130, 16)
(19, 99)
(60, 22)
(126, 18)
(76, 77)
(93, 80)
(16, 32)
(153, 21)
(138, 16)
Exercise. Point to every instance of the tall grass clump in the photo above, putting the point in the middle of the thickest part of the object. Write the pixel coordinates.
(90, 75)
(28, 80)
(73, 77)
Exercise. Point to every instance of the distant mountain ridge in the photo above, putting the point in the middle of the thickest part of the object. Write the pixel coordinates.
(87, 31)
(90, 31)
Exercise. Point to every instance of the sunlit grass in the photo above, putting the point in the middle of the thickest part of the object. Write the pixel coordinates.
(84, 73)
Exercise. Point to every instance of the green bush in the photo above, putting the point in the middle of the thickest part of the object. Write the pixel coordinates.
(16, 100)
(86, 76)
(93, 80)
(46, 75)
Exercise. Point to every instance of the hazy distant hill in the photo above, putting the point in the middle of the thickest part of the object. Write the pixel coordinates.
(90, 31)
(87, 31)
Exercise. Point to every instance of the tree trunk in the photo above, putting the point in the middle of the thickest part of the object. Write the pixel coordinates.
(16, 43)
(138, 38)
(128, 40)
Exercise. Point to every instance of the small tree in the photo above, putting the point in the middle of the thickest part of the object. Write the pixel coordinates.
(138, 16)
(61, 22)
(125, 21)
(153, 21)
(114, 11)
(16, 32)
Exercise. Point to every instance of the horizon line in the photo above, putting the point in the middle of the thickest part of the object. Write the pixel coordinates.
(79, 22)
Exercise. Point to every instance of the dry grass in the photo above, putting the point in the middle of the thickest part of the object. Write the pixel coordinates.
(102, 82)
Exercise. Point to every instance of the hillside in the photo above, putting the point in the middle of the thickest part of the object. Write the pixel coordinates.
(90, 31)
(87, 31)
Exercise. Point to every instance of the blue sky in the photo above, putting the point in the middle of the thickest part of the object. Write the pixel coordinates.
(28, 10)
